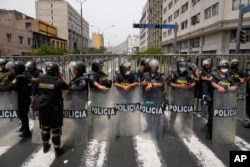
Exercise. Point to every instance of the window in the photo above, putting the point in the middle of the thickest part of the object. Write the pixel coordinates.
(195, 19)
(175, 1)
(212, 11)
(195, 43)
(170, 18)
(195, 2)
(21, 40)
(184, 24)
(9, 39)
(29, 41)
(28, 25)
(170, 5)
(184, 8)
(176, 13)
(165, 10)
(237, 3)
(170, 32)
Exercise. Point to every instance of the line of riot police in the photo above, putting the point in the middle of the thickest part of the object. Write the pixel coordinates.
(146, 86)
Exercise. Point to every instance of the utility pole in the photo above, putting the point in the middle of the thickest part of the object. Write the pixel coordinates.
(81, 43)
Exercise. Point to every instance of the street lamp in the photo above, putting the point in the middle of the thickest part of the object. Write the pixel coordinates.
(81, 3)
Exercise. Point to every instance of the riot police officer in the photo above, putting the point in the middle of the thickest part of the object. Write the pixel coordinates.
(205, 85)
(247, 125)
(4, 73)
(235, 72)
(20, 83)
(51, 118)
(221, 81)
(97, 78)
(80, 81)
(125, 78)
(33, 71)
(181, 78)
(153, 94)
(143, 68)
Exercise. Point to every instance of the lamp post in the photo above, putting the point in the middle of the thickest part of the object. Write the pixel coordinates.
(81, 44)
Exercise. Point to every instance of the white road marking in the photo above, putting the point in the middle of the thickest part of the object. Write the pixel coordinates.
(205, 157)
(242, 144)
(39, 159)
(147, 152)
(3, 150)
(96, 154)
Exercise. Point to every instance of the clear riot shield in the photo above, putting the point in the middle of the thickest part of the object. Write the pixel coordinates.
(152, 113)
(241, 101)
(104, 119)
(75, 124)
(180, 112)
(127, 106)
(8, 118)
(224, 113)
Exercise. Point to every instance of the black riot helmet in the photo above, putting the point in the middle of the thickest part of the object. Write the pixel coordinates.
(79, 66)
(182, 64)
(3, 61)
(96, 64)
(125, 67)
(51, 68)
(30, 65)
(18, 66)
(234, 63)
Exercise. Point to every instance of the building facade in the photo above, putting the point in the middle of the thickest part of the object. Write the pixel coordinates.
(62, 15)
(97, 40)
(144, 31)
(207, 27)
(155, 17)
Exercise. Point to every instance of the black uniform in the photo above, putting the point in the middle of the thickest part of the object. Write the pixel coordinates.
(100, 78)
(22, 85)
(51, 118)
(125, 79)
(79, 83)
(224, 82)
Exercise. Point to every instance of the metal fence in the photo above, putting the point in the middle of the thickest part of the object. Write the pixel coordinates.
(112, 61)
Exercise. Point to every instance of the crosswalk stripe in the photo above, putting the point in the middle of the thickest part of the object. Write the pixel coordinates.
(95, 154)
(204, 155)
(242, 144)
(148, 153)
(39, 159)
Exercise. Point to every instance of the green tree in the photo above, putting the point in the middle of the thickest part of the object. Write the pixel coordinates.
(47, 50)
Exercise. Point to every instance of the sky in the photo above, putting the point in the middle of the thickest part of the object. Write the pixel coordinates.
(100, 14)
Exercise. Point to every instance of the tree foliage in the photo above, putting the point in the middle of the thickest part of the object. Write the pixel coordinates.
(47, 50)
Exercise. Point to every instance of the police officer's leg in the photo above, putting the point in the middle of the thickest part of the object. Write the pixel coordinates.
(25, 120)
(45, 137)
(209, 121)
(56, 139)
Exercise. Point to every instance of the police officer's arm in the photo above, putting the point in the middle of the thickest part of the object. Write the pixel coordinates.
(60, 76)
(82, 86)
(117, 82)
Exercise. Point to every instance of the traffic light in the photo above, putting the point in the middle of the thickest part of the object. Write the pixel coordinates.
(243, 36)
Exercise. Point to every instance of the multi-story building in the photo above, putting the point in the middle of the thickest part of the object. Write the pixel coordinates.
(61, 14)
(43, 33)
(133, 43)
(21, 33)
(155, 17)
(97, 40)
(144, 31)
(207, 27)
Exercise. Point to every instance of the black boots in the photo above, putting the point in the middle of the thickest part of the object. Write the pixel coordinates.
(59, 151)
(46, 148)
(25, 133)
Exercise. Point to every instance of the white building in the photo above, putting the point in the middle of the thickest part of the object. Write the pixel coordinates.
(133, 43)
(204, 26)
(67, 20)
(144, 31)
